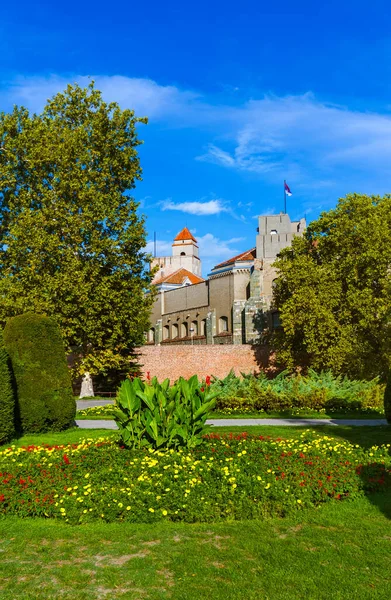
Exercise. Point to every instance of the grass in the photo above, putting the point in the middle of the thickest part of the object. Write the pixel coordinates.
(365, 436)
(314, 555)
(340, 551)
(308, 414)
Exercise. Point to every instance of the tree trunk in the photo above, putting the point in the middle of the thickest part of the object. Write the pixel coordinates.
(87, 388)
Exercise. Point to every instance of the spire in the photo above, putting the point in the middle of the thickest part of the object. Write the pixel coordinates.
(184, 235)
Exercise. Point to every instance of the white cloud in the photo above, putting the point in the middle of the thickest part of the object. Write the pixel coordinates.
(213, 247)
(212, 207)
(303, 138)
(299, 138)
(145, 96)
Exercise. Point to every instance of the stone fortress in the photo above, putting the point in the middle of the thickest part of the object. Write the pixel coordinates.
(235, 301)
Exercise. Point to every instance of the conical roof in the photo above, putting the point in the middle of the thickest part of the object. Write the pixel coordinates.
(185, 235)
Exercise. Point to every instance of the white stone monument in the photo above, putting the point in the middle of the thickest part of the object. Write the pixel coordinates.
(87, 388)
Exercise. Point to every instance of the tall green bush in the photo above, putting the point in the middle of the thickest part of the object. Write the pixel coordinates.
(387, 398)
(158, 415)
(43, 386)
(7, 399)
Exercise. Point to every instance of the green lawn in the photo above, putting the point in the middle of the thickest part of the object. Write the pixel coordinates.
(364, 436)
(263, 415)
(339, 551)
(342, 551)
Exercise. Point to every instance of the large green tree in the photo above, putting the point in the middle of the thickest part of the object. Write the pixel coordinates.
(334, 290)
(71, 237)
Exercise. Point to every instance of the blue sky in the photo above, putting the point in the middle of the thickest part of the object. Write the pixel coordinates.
(240, 96)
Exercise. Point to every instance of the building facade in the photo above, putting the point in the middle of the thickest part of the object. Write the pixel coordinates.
(234, 304)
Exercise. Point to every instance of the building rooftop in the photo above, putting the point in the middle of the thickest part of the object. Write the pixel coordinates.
(178, 278)
(244, 256)
(185, 234)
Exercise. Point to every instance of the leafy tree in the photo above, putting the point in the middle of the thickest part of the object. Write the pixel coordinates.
(334, 290)
(72, 241)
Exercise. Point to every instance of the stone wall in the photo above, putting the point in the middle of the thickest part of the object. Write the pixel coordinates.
(173, 361)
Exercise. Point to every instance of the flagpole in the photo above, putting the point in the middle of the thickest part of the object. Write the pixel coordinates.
(284, 197)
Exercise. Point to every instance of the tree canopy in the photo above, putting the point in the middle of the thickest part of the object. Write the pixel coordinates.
(333, 292)
(71, 238)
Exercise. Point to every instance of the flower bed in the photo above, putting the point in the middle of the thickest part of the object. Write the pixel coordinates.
(230, 477)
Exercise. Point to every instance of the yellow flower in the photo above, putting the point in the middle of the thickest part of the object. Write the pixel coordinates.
(151, 510)
(128, 508)
(164, 512)
(299, 502)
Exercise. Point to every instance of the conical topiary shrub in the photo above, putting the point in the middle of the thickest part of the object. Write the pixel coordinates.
(387, 398)
(43, 385)
(7, 399)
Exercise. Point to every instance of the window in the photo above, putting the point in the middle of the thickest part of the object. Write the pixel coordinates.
(273, 232)
(223, 324)
(183, 253)
(194, 328)
(166, 332)
(203, 327)
(175, 331)
(184, 332)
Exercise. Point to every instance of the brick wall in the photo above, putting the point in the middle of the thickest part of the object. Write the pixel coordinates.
(173, 361)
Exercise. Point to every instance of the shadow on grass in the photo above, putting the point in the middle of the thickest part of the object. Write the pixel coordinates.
(375, 476)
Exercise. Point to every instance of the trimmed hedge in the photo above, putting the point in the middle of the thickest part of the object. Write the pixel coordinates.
(43, 386)
(7, 400)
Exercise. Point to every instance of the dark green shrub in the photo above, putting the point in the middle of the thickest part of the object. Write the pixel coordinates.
(387, 398)
(315, 391)
(7, 399)
(43, 385)
(157, 415)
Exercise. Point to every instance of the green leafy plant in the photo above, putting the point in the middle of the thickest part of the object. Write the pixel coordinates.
(43, 385)
(287, 391)
(157, 415)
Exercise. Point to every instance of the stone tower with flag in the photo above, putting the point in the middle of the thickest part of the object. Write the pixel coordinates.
(234, 304)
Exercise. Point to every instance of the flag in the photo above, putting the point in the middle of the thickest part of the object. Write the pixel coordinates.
(287, 190)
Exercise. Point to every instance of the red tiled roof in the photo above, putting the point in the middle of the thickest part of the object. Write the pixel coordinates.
(184, 235)
(178, 277)
(248, 255)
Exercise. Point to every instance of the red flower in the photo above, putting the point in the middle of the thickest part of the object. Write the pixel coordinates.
(207, 380)
(66, 459)
(202, 389)
(148, 375)
(2, 497)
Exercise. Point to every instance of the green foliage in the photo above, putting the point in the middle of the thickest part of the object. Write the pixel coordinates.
(43, 387)
(226, 478)
(158, 415)
(387, 398)
(316, 391)
(333, 292)
(72, 241)
(7, 399)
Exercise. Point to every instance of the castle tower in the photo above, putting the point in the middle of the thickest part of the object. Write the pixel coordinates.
(184, 255)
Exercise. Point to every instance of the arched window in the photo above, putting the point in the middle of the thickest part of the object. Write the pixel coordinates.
(223, 324)
(175, 331)
(194, 328)
(203, 327)
(184, 330)
(183, 253)
(166, 332)
(151, 335)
